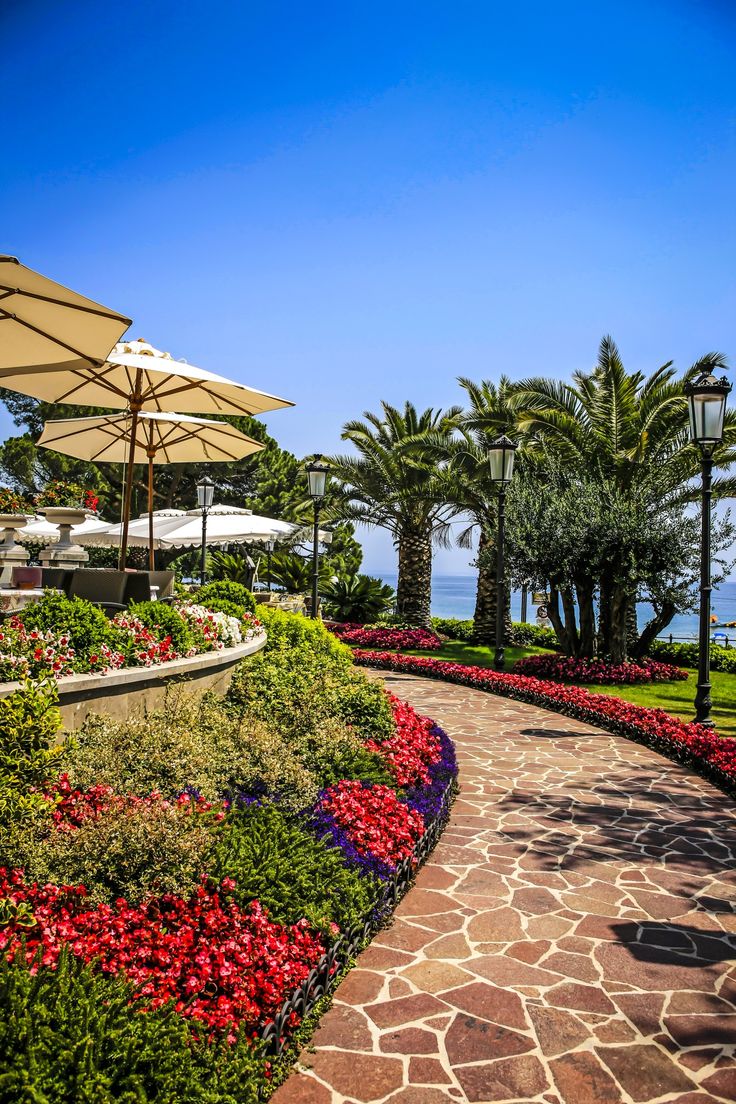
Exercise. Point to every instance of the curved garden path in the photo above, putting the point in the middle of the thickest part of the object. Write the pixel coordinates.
(570, 940)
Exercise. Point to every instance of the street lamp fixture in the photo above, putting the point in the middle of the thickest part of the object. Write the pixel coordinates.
(501, 462)
(706, 397)
(317, 471)
(205, 497)
(270, 545)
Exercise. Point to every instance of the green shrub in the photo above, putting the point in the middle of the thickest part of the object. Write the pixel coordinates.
(523, 634)
(164, 621)
(86, 625)
(453, 628)
(291, 873)
(192, 740)
(29, 721)
(128, 850)
(70, 1036)
(684, 654)
(225, 590)
(306, 640)
(362, 704)
(232, 609)
(356, 598)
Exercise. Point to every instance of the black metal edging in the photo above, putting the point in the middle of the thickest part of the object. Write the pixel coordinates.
(322, 978)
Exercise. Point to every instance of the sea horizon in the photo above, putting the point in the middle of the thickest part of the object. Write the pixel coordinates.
(453, 595)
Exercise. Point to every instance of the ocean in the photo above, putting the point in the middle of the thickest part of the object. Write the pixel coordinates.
(454, 596)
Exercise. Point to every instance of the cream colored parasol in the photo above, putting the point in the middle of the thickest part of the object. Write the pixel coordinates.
(161, 439)
(138, 377)
(45, 327)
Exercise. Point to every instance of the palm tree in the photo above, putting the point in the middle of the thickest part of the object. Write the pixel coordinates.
(628, 434)
(393, 483)
(488, 415)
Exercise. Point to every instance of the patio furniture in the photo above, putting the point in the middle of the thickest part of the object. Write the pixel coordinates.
(105, 589)
(164, 580)
(57, 578)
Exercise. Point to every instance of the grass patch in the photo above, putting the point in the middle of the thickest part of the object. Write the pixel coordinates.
(675, 697)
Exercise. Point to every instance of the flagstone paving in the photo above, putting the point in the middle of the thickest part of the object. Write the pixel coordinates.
(571, 940)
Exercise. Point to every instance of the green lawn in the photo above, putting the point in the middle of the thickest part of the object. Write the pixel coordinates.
(675, 697)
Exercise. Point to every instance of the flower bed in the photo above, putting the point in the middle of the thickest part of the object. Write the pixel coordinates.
(701, 748)
(560, 668)
(379, 636)
(268, 896)
(59, 636)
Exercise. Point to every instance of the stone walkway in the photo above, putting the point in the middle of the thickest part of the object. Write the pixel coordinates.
(569, 942)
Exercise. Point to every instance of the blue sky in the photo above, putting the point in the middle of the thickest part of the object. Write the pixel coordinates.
(346, 202)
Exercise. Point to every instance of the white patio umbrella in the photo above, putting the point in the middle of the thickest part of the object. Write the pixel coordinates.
(138, 377)
(162, 439)
(45, 327)
(225, 525)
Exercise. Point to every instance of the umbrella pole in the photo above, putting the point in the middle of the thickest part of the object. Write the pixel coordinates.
(151, 555)
(135, 406)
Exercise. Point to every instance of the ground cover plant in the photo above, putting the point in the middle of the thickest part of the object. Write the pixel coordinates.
(385, 636)
(61, 636)
(561, 668)
(189, 869)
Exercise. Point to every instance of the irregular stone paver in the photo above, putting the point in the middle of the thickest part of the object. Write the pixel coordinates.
(571, 941)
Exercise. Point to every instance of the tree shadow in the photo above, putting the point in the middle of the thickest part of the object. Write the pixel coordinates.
(665, 943)
(641, 820)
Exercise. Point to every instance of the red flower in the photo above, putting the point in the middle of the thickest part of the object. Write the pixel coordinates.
(413, 749)
(567, 669)
(220, 964)
(376, 822)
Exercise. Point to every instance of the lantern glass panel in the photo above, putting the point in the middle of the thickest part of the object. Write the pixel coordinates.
(502, 463)
(706, 417)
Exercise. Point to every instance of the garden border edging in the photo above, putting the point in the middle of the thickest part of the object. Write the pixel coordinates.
(323, 978)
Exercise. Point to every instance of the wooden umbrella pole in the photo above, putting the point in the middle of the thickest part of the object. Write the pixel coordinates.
(151, 556)
(135, 406)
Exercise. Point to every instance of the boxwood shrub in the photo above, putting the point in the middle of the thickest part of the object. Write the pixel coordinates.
(226, 591)
(293, 874)
(68, 1037)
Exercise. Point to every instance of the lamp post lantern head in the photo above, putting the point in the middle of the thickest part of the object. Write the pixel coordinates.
(317, 471)
(205, 492)
(706, 398)
(270, 545)
(501, 459)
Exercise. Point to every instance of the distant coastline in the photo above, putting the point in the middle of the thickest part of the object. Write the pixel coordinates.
(454, 596)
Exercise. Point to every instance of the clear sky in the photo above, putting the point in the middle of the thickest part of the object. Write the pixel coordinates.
(345, 202)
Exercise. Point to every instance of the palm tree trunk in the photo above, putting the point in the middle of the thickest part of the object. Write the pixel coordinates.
(484, 616)
(414, 586)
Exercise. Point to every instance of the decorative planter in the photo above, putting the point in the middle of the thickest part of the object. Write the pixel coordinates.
(121, 692)
(12, 555)
(64, 553)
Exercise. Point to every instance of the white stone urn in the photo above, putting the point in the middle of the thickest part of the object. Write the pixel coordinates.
(11, 554)
(64, 553)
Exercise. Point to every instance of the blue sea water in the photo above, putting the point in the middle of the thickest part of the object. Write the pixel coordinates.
(454, 596)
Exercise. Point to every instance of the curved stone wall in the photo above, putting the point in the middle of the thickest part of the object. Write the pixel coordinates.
(132, 688)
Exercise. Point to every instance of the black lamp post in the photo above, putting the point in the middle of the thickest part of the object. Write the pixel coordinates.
(205, 495)
(317, 471)
(501, 459)
(706, 398)
(270, 545)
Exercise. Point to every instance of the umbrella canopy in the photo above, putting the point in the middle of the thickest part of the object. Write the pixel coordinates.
(41, 531)
(162, 439)
(138, 377)
(225, 525)
(45, 327)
